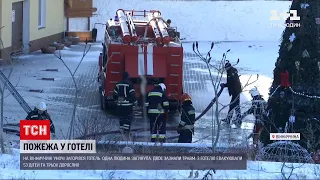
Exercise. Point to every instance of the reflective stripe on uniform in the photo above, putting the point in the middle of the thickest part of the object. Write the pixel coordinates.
(124, 89)
(188, 127)
(162, 136)
(33, 116)
(182, 123)
(132, 90)
(124, 104)
(146, 104)
(121, 127)
(155, 94)
(155, 111)
(126, 126)
(166, 103)
(154, 136)
(126, 85)
(191, 112)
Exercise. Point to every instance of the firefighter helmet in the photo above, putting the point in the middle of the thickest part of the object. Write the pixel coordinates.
(42, 106)
(254, 92)
(163, 86)
(185, 97)
(227, 64)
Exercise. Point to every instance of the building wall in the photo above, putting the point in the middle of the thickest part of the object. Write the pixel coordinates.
(54, 19)
(0, 21)
(36, 38)
(54, 26)
(6, 21)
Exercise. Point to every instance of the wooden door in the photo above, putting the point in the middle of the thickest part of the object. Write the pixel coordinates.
(17, 25)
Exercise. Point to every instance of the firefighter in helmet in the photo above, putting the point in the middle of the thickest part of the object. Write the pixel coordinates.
(157, 106)
(124, 94)
(40, 113)
(234, 87)
(169, 22)
(259, 110)
(186, 124)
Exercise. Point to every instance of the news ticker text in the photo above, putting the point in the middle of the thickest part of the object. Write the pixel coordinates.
(58, 146)
(114, 161)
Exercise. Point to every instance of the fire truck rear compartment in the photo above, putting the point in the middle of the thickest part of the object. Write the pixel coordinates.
(141, 49)
(166, 69)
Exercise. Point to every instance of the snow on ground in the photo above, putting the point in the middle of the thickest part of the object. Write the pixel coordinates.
(58, 94)
(255, 58)
(199, 20)
(218, 21)
(255, 170)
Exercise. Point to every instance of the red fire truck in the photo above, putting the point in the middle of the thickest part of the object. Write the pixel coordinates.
(143, 44)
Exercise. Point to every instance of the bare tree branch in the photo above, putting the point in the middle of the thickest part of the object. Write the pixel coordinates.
(2, 91)
(70, 133)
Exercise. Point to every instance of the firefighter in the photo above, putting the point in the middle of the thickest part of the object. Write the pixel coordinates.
(186, 124)
(258, 109)
(157, 106)
(234, 87)
(169, 22)
(124, 94)
(40, 113)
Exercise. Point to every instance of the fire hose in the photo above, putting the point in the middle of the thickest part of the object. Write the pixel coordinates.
(210, 105)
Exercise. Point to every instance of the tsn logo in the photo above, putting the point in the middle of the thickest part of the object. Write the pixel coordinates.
(34, 130)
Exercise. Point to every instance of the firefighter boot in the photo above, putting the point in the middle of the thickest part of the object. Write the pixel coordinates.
(126, 123)
(258, 128)
(238, 117)
(162, 123)
(154, 137)
(153, 127)
(121, 122)
(227, 120)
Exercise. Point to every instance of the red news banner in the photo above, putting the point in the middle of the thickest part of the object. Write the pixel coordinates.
(38, 152)
(34, 130)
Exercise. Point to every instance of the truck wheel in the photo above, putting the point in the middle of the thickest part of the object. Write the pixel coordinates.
(102, 101)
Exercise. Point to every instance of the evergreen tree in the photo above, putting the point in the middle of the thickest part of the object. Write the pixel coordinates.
(299, 56)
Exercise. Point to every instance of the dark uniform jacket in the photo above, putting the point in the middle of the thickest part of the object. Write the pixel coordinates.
(124, 93)
(258, 109)
(34, 115)
(157, 101)
(188, 117)
(233, 82)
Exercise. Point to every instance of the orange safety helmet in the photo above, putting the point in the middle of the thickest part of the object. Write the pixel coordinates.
(185, 97)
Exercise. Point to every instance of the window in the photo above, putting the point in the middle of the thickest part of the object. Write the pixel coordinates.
(42, 14)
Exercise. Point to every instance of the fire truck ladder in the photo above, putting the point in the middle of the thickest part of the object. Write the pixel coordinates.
(12, 128)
